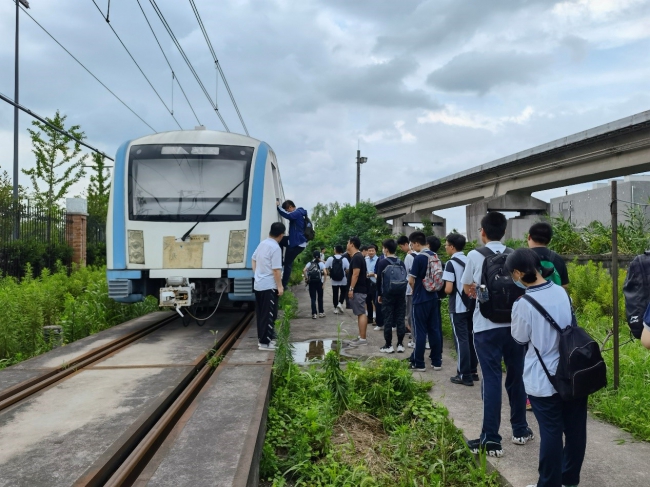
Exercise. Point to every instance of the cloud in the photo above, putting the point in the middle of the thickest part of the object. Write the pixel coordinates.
(480, 72)
(454, 117)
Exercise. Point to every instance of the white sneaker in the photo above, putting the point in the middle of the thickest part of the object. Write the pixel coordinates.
(386, 349)
(400, 349)
(377, 328)
(340, 307)
(411, 344)
(313, 317)
(321, 315)
(427, 346)
(267, 347)
(358, 341)
(436, 367)
(336, 311)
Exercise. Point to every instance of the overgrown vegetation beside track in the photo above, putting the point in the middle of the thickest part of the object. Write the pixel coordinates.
(371, 424)
(79, 303)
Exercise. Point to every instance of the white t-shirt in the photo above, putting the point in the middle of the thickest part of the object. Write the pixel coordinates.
(321, 266)
(455, 276)
(346, 266)
(267, 256)
(408, 263)
(530, 327)
(472, 274)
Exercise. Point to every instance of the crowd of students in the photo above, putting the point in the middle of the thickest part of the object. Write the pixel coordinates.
(490, 326)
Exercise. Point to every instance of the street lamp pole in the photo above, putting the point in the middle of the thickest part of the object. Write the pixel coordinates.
(25, 3)
(360, 160)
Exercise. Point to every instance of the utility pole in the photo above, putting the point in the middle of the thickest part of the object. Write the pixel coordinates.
(614, 212)
(25, 4)
(360, 160)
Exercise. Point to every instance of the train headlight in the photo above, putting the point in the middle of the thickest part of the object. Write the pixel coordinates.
(136, 247)
(236, 244)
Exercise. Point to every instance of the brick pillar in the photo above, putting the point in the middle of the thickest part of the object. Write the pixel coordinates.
(77, 217)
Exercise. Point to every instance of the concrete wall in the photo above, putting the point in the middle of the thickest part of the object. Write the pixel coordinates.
(593, 205)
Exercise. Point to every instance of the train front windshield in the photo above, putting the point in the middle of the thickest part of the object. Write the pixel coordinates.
(180, 182)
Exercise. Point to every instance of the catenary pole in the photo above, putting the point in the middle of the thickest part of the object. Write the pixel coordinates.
(614, 210)
(358, 175)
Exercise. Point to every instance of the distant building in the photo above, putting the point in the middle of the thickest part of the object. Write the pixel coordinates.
(593, 205)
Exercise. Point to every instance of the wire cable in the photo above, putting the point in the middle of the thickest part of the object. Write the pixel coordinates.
(216, 62)
(136, 63)
(87, 70)
(168, 63)
(187, 61)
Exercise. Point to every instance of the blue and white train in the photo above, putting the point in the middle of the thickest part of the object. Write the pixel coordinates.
(186, 212)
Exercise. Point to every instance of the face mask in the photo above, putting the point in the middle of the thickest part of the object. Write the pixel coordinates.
(520, 284)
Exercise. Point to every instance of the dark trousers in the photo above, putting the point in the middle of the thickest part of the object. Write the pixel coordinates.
(491, 347)
(316, 291)
(338, 295)
(266, 312)
(370, 300)
(426, 324)
(379, 312)
(392, 309)
(462, 325)
(290, 255)
(560, 464)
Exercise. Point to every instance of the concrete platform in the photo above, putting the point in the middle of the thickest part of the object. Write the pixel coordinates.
(218, 441)
(68, 431)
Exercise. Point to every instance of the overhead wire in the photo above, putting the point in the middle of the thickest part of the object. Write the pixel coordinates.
(187, 61)
(217, 64)
(174, 75)
(136, 63)
(87, 70)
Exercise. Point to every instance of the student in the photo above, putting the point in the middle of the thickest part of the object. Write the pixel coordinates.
(297, 241)
(314, 273)
(371, 262)
(495, 344)
(405, 246)
(358, 289)
(346, 256)
(559, 462)
(426, 321)
(267, 266)
(364, 251)
(322, 254)
(539, 236)
(392, 307)
(337, 267)
(461, 317)
(434, 244)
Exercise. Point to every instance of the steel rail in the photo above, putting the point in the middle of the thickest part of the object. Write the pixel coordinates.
(137, 458)
(31, 386)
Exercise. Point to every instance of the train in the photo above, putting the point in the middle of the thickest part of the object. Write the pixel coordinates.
(186, 212)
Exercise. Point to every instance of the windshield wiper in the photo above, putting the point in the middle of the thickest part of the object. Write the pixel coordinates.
(187, 234)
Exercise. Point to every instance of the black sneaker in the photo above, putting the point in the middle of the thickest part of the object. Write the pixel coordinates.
(475, 377)
(457, 379)
(418, 369)
(491, 448)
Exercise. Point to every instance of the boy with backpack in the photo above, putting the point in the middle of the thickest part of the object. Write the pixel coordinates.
(539, 236)
(405, 246)
(336, 267)
(314, 273)
(485, 274)
(636, 290)
(391, 286)
(425, 278)
(461, 307)
(301, 231)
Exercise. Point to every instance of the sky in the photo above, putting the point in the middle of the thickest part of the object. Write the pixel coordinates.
(425, 88)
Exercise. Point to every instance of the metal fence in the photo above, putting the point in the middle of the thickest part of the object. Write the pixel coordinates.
(95, 240)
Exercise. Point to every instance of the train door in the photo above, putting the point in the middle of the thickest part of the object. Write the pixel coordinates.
(277, 184)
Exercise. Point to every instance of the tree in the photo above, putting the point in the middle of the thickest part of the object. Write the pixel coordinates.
(58, 161)
(98, 189)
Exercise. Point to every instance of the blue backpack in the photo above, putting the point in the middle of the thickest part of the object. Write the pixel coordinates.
(394, 278)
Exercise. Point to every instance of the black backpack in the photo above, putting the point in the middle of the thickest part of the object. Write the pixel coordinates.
(502, 289)
(637, 292)
(314, 272)
(308, 231)
(469, 303)
(336, 272)
(394, 278)
(581, 370)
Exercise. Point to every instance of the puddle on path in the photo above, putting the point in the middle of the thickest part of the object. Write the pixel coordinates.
(314, 350)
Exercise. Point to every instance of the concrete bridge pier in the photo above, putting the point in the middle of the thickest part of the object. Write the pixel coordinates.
(401, 225)
(530, 211)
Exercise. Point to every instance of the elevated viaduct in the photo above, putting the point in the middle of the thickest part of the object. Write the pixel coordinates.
(612, 150)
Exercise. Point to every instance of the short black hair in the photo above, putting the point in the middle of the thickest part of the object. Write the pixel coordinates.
(277, 229)
(402, 240)
(390, 245)
(541, 233)
(355, 241)
(418, 237)
(287, 204)
(323, 248)
(316, 254)
(434, 243)
(364, 248)
(456, 240)
(494, 225)
(374, 247)
(338, 249)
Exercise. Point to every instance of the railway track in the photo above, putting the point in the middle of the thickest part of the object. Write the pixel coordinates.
(125, 458)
